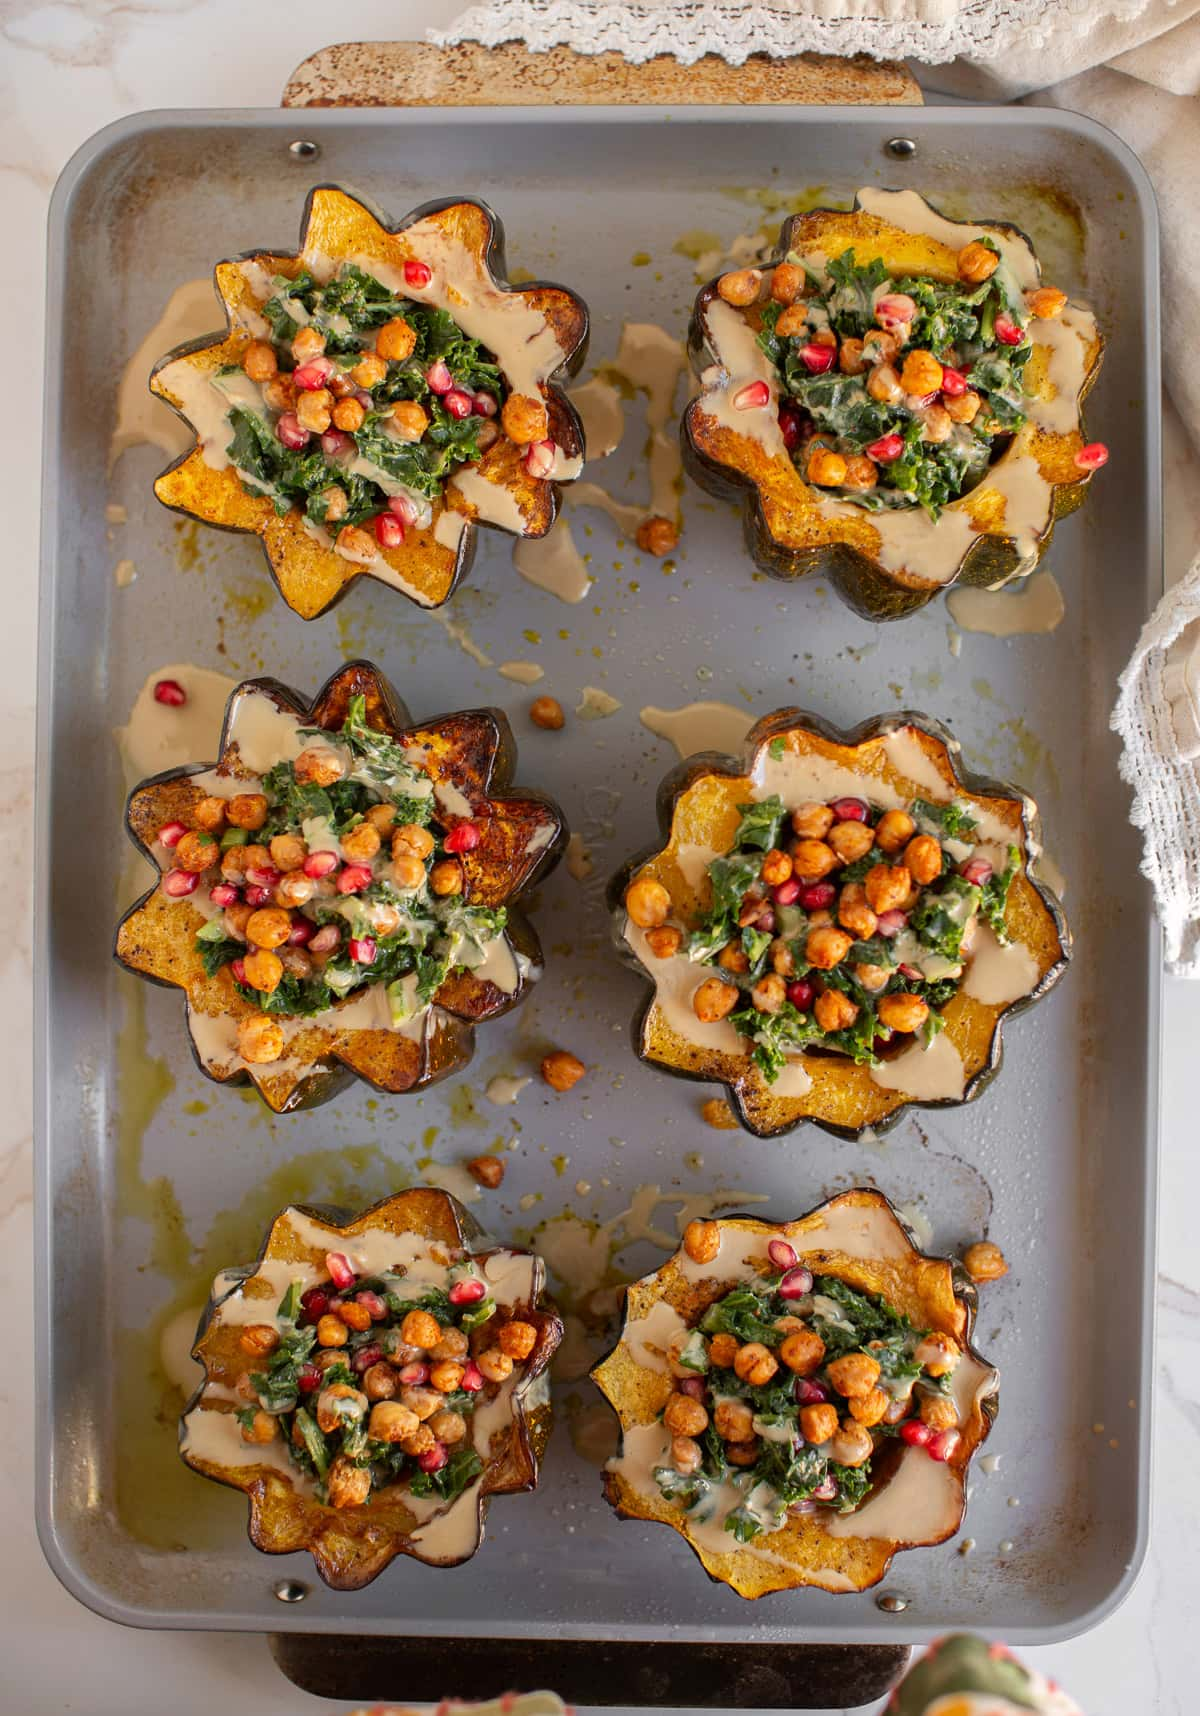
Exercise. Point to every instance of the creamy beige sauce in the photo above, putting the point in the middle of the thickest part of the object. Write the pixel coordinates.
(676, 981)
(626, 515)
(693, 861)
(909, 211)
(175, 1350)
(579, 859)
(158, 737)
(521, 672)
(1034, 605)
(742, 361)
(124, 573)
(602, 414)
(504, 1089)
(553, 562)
(926, 1075)
(452, 1177)
(998, 974)
(192, 311)
(490, 501)
(595, 704)
(216, 1437)
(448, 529)
(649, 1337)
(457, 632)
(794, 1078)
(698, 727)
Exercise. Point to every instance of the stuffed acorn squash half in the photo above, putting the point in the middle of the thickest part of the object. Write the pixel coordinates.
(371, 1383)
(836, 926)
(896, 400)
(799, 1400)
(336, 894)
(376, 396)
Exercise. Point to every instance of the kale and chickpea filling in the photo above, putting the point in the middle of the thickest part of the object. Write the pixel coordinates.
(333, 877)
(369, 1384)
(362, 403)
(788, 1387)
(840, 927)
(894, 392)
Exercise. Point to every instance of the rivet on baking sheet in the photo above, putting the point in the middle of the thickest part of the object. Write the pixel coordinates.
(304, 149)
(290, 1590)
(892, 1603)
(899, 148)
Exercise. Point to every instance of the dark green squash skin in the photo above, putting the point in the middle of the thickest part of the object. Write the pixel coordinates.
(681, 777)
(325, 1082)
(864, 584)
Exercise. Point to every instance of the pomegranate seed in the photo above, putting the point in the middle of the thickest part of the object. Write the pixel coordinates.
(800, 994)
(170, 834)
(326, 939)
(405, 508)
(353, 878)
(484, 405)
(434, 1458)
(891, 923)
(363, 949)
(413, 1375)
(752, 397)
(224, 894)
(264, 875)
(941, 1446)
(458, 403)
(765, 921)
(539, 458)
(308, 1378)
(782, 1255)
(471, 1378)
(238, 967)
(791, 427)
(826, 1490)
(365, 1357)
(817, 896)
(911, 972)
(319, 864)
(1091, 457)
(315, 1302)
(809, 1392)
(389, 530)
(417, 273)
(333, 442)
(464, 837)
(817, 359)
(787, 893)
(976, 870)
(887, 449)
(177, 884)
(302, 931)
(256, 896)
(373, 1303)
(849, 809)
(438, 377)
(1007, 331)
(915, 1433)
(290, 433)
(310, 377)
(895, 310)
(468, 1292)
(796, 1283)
(691, 1386)
(170, 692)
(954, 383)
(340, 1272)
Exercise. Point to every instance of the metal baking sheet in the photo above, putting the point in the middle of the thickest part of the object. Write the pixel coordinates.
(150, 1177)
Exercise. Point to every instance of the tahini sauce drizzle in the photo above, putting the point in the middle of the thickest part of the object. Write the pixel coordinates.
(1034, 605)
(192, 311)
(553, 562)
(709, 726)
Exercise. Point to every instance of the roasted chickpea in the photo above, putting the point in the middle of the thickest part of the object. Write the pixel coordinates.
(812, 860)
(977, 263)
(755, 1364)
(852, 1445)
(984, 1261)
(259, 1339)
(396, 340)
(259, 1039)
(834, 1011)
(657, 536)
(722, 1349)
(734, 1420)
(812, 821)
(354, 1315)
(893, 829)
(854, 1374)
(818, 1422)
(923, 859)
(445, 1376)
(347, 1485)
(886, 887)
(486, 1170)
(446, 877)
(850, 840)
(348, 415)
(356, 545)
(259, 361)
(562, 1070)
(288, 851)
(294, 889)
(938, 1411)
(741, 287)
(314, 410)
(524, 419)
(389, 1421)
(408, 873)
(280, 393)
(410, 840)
(787, 282)
(883, 384)
(826, 948)
(921, 373)
(361, 843)
(850, 357)
(244, 1387)
(408, 421)
(495, 1364)
(825, 467)
(380, 1382)
(938, 1354)
(421, 1401)
(664, 943)
(734, 959)
(1046, 303)
(902, 1012)
(936, 424)
(854, 914)
(319, 765)
(880, 346)
(547, 713)
(420, 1442)
(420, 1329)
(209, 814)
(769, 993)
(684, 1416)
(307, 343)
(196, 851)
(647, 902)
(448, 1425)
(296, 962)
(793, 323)
(685, 1455)
(873, 977)
(963, 409)
(261, 1429)
(269, 926)
(714, 1000)
(340, 1404)
(702, 1241)
(331, 1331)
(861, 476)
(783, 960)
(452, 1345)
(715, 1112)
(870, 1409)
(264, 971)
(517, 1339)
(369, 371)
(742, 1453)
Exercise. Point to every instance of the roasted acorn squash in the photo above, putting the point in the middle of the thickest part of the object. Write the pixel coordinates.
(416, 1237)
(891, 760)
(963, 1673)
(886, 563)
(519, 837)
(534, 333)
(913, 1500)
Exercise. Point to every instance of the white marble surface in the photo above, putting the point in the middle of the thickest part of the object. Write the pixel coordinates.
(65, 70)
